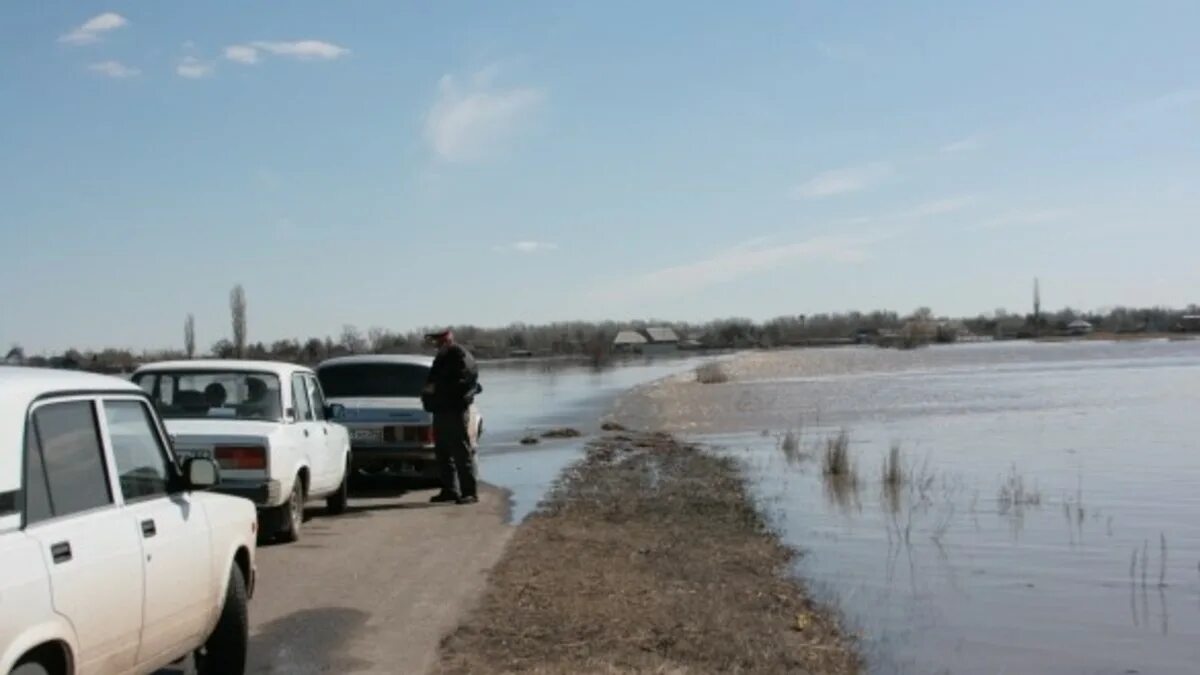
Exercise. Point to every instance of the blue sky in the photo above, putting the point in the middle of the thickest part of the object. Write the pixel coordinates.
(392, 164)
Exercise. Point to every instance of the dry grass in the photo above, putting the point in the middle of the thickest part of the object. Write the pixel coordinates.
(711, 373)
(649, 557)
(836, 461)
(563, 432)
(1014, 495)
(894, 473)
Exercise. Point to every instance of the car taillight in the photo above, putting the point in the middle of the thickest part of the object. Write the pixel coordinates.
(241, 457)
(422, 435)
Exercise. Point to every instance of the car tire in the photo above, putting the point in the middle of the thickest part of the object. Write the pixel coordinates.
(336, 503)
(30, 668)
(224, 653)
(291, 515)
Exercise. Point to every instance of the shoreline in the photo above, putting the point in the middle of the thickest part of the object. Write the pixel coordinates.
(649, 556)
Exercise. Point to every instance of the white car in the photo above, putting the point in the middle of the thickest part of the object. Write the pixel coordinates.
(379, 399)
(267, 426)
(112, 560)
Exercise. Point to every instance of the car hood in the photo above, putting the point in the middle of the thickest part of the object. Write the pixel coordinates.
(219, 428)
(400, 410)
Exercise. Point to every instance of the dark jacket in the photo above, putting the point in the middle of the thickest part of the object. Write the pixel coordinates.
(455, 378)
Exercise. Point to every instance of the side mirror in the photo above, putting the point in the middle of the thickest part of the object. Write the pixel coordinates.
(201, 473)
(289, 415)
(335, 411)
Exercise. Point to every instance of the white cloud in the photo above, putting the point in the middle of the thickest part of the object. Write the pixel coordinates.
(967, 144)
(301, 50)
(752, 257)
(843, 181)
(469, 119)
(844, 52)
(93, 28)
(1180, 99)
(1030, 217)
(114, 69)
(193, 68)
(943, 206)
(242, 54)
(528, 247)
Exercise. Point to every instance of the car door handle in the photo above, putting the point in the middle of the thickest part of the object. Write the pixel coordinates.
(148, 528)
(306, 433)
(61, 552)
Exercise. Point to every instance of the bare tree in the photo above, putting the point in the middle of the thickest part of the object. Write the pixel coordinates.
(352, 340)
(237, 310)
(16, 355)
(189, 336)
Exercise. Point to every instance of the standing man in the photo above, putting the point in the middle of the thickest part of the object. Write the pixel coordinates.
(448, 394)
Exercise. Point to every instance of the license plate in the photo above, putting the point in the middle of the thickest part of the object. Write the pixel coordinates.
(189, 453)
(365, 434)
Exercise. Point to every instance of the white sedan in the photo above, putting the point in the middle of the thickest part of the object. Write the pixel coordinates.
(112, 558)
(266, 424)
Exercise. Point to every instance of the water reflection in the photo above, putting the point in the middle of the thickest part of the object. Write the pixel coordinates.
(1000, 550)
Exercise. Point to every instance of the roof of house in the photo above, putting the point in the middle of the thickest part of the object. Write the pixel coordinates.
(629, 337)
(378, 359)
(1079, 323)
(662, 334)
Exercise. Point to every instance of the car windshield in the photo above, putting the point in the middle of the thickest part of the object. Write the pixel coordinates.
(373, 380)
(224, 394)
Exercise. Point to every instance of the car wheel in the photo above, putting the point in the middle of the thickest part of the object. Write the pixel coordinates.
(32, 668)
(293, 513)
(336, 502)
(224, 653)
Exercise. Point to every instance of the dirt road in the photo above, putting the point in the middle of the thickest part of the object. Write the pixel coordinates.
(374, 590)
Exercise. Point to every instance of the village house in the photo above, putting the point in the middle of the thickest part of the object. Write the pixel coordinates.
(1079, 327)
(628, 341)
(652, 340)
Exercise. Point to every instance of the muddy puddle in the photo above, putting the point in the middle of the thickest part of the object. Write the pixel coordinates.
(530, 398)
(1046, 518)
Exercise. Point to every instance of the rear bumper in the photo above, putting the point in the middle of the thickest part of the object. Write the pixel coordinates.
(264, 494)
(409, 461)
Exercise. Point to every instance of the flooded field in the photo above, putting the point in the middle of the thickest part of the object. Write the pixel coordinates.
(528, 398)
(1043, 515)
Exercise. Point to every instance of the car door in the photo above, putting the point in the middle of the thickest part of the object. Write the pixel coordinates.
(174, 533)
(93, 554)
(331, 434)
(309, 438)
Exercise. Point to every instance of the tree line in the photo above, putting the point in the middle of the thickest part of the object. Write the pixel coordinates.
(593, 340)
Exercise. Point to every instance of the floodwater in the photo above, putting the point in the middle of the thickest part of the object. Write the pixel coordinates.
(527, 398)
(1050, 521)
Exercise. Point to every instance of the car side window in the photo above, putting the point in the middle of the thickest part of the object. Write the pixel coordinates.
(137, 450)
(72, 457)
(37, 492)
(300, 399)
(318, 398)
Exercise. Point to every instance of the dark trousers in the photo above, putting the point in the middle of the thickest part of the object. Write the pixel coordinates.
(455, 456)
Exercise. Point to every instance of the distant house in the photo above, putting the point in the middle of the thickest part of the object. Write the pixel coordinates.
(1079, 327)
(662, 335)
(660, 339)
(629, 341)
(1190, 323)
(15, 357)
(654, 340)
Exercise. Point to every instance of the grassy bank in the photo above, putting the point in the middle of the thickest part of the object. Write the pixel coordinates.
(648, 558)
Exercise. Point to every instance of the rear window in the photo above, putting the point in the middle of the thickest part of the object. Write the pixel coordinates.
(213, 394)
(373, 380)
